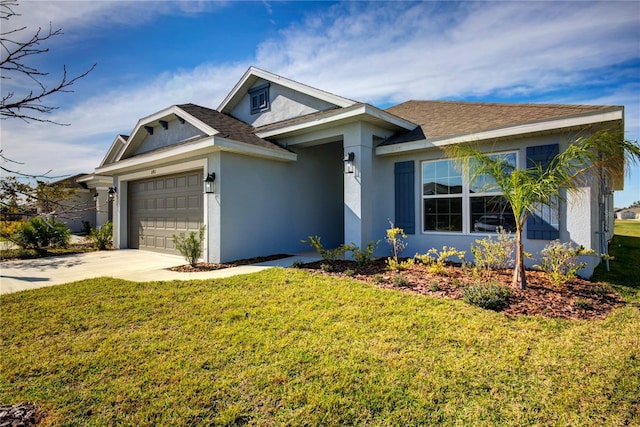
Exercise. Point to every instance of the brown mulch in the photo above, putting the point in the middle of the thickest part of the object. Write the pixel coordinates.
(576, 299)
(206, 266)
(21, 415)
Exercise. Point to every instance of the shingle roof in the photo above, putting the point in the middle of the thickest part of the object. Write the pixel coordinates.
(439, 119)
(228, 126)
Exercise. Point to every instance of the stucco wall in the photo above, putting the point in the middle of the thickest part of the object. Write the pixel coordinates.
(267, 207)
(285, 104)
(161, 137)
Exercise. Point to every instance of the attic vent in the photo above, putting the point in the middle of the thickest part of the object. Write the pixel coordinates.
(259, 98)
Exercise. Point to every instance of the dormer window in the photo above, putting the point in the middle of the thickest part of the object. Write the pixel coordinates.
(259, 98)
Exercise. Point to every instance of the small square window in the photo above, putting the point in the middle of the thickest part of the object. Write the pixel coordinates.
(259, 98)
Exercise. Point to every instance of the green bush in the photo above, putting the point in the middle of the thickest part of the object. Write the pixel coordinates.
(435, 260)
(329, 255)
(363, 257)
(39, 233)
(494, 254)
(190, 246)
(490, 296)
(102, 237)
(560, 261)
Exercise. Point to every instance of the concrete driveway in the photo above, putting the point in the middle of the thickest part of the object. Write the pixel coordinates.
(129, 264)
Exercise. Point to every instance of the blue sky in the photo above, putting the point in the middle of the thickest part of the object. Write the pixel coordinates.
(151, 55)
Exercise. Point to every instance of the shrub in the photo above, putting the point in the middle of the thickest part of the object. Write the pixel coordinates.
(102, 237)
(560, 261)
(494, 254)
(86, 227)
(400, 281)
(39, 233)
(190, 246)
(397, 264)
(363, 256)
(582, 304)
(329, 255)
(435, 260)
(491, 296)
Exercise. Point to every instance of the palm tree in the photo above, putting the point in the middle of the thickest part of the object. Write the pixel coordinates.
(602, 154)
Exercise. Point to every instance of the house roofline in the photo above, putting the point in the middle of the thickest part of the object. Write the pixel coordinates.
(505, 132)
(253, 73)
(200, 146)
(357, 111)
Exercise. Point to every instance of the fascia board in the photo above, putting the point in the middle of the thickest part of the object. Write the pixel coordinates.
(252, 73)
(356, 111)
(93, 180)
(207, 144)
(253, 150)
(115, 148)
(524, 129)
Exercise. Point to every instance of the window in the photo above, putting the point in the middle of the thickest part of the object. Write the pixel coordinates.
(442, 196)
(488, 208)
(259, 98)
(451, 204)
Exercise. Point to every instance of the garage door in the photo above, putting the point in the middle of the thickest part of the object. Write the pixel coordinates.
(164, 206)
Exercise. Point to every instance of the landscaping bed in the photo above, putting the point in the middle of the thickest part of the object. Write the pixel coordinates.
(576, 299)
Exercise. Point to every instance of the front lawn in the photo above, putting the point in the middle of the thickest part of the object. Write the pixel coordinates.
(292, 347)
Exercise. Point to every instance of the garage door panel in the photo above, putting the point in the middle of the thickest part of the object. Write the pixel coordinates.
(162, 207)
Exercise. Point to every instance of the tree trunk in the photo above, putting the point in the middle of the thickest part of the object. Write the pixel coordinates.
(519, 279)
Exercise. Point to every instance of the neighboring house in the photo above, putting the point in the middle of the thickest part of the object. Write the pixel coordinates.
(630, 213)
(76, 211)
(292, 161)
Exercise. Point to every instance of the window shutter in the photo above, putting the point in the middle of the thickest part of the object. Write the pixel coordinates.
(405, 216)
(543, 223)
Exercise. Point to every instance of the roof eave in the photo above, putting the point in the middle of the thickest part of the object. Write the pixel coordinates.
(505, 132)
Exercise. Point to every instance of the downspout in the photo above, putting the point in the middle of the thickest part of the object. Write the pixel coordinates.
(603, 228)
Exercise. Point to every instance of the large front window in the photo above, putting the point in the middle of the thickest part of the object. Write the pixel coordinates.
(450, 203)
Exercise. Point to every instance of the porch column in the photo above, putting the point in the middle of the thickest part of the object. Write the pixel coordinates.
(358, 186)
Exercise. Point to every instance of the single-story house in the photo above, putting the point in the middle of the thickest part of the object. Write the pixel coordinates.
(76, 211)
(285, 161)
(629, 213)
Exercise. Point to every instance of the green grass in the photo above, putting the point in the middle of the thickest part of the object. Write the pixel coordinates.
(286, 347)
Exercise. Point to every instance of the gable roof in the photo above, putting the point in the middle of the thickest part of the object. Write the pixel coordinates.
(252, 75)
(446, 119)
(227, 126)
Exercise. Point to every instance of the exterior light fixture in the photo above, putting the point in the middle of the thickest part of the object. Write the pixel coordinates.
(208, 183)
(112, 193)
(95, 196)
(348, 162)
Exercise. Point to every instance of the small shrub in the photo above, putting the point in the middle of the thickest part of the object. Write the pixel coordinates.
(490, 296)
(378, 279)
(102, 237)
(494, 254)
(400, 281)
(600, 290)
(394, 264)
(394, 239)
(39, 233)
(435, 260)
(434, 286)
(297, 264)
(582, 304)
(560, 261)
(365, 256)
(190, 246)
(86, 227)
(349, 272)
(329, 255)
(326, 267)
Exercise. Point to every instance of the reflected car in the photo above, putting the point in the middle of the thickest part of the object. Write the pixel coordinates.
(490, 223)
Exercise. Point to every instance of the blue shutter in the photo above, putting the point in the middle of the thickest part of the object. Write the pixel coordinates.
(405, 215)
(540, 223)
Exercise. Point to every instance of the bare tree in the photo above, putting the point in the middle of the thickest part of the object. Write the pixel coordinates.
(16, 52)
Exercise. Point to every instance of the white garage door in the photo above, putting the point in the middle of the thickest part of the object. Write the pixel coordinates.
(163, 206)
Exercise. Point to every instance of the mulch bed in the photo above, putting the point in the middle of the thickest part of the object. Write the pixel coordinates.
(576, 299)
(20, 415)
(206, 266)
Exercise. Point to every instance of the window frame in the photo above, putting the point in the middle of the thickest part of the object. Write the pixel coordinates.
(466, 195)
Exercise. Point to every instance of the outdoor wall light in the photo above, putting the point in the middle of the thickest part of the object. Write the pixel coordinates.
(112, 193)
(95, 196)
(208, 183)
(348, 162)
